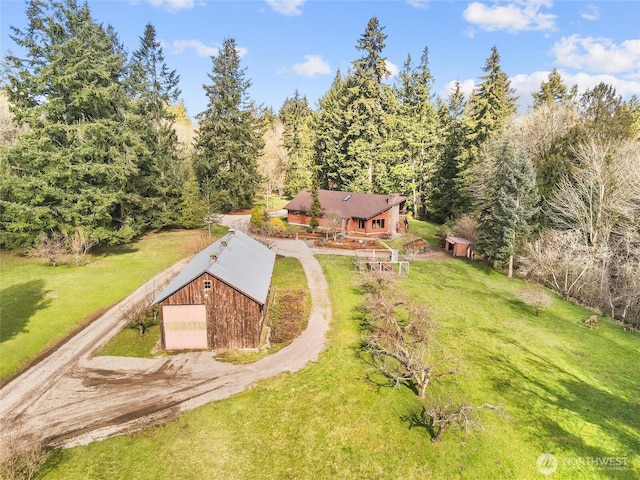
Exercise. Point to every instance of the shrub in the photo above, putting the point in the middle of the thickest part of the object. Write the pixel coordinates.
(255, 222)
(274, 226)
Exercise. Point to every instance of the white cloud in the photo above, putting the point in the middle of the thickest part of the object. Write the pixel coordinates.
(591, 12)
(418, 3)
(517, 16)
(173, 5)
(287, 7)
(393, 69)
(312, 65)
(202, 50)
(599, 55)
(466, 87)
(179, 46)
(526, 84)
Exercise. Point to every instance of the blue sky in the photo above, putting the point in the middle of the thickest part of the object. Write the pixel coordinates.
(299, 44)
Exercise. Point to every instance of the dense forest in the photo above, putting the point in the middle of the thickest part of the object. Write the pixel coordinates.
(93, 147)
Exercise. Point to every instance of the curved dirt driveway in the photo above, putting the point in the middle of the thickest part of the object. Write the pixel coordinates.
(71, 398)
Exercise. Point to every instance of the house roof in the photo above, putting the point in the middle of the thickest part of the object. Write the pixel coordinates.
(460, 240)
(240, 261)
(348, 204)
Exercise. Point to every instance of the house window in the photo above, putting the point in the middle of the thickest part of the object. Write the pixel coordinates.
(207, 284)
(361, 223)
(377, 223)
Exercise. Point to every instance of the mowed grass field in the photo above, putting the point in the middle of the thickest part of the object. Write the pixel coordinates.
(40, 305)
(562, 388)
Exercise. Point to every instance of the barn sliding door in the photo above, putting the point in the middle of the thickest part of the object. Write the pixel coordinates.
(185, 326)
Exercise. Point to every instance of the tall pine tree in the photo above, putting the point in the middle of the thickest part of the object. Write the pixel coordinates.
(368, 102)
(297, 118)
(72, 168)
(554, 90)
(508, 203)
(491, 107)
(229, 139)
(415, 132)
(449, 197)
(155, 89)
(329, 128)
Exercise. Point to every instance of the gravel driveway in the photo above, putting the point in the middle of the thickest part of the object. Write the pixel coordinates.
(73, 398)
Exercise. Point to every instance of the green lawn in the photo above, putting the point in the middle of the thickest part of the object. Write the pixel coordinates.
(564, 389)
(425, 230)
(40, 305)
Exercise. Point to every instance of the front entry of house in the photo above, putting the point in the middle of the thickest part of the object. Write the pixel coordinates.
(185, 326)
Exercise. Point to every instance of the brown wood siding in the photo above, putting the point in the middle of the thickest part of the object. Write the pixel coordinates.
(390, 217)
(233, 319)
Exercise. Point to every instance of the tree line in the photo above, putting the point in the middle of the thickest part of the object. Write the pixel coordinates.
(92, 147)
(553, 193)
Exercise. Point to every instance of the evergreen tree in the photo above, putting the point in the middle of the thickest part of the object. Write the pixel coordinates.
(229, 139)
(315, 209)
(493, 103)
(416, 132)
(448, 197)
(508, 203)
(491, 108)
(73, 165)
(155, 88)
(192, 205)
(554, 91)
(297, 119)
(329, 130)
(367, 107)
(605, 116)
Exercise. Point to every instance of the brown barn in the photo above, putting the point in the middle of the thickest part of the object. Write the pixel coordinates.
(218, 300)
(359, 213)
(460, 247)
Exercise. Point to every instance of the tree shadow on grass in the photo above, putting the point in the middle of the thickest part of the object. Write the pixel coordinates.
(19, 303)
(110, 250)
(536, 383)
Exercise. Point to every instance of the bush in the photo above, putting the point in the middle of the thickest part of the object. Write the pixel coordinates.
(466, 227)
(255, 222)
(274, 226)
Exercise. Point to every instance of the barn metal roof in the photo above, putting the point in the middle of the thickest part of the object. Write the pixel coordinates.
(239, 261)
(348, 204)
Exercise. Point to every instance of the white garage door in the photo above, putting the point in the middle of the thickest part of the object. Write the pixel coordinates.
(185, 326)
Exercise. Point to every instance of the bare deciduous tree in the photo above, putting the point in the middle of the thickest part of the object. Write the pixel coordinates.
(437, 418)
(404, 351)
(21, 456)
(559, 259)
(271, 165)
(333, 223)
(466, 227)
(535, 297)
(602, 193)
(600, 204)
(544, 126)
(624, 279)
(49, 247)
(79, 243)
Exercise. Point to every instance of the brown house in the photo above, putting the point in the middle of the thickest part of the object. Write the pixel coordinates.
(218, 300)
(459, 247)
(354, 213)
